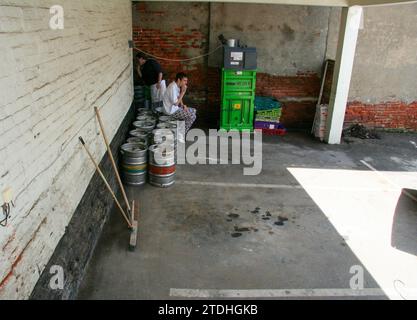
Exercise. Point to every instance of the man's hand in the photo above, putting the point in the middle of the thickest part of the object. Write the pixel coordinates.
(185, 107)
(184, 89)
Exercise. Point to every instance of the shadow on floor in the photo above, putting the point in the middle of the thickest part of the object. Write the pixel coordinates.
(404, 227)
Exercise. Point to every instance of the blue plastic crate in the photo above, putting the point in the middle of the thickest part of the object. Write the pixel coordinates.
(266, 103)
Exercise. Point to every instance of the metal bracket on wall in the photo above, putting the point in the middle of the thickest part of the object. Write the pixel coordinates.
(6, 213)
(130, 42)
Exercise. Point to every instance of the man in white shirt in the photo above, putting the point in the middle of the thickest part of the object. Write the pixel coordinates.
(173, 104)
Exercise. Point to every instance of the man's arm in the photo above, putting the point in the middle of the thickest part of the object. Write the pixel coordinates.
(158, 85)
(172, 96)
(180, 102)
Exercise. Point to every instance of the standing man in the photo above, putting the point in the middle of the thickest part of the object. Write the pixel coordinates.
(173, 103)
(151, 73)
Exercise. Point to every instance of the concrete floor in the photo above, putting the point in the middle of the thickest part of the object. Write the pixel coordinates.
(340, 214)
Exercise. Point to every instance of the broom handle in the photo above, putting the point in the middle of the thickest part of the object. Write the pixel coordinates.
(106, 183)
(112, 159)
(323, 81)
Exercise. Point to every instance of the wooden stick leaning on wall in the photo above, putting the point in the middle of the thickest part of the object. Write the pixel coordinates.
(323, 82)
(106, 183)
(112, 159)
(134, 234)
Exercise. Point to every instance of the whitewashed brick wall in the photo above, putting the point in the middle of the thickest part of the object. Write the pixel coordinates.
(50, 82)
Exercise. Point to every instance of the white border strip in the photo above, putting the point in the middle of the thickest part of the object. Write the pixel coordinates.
(240, 185)
(273, 293)
(279, 186)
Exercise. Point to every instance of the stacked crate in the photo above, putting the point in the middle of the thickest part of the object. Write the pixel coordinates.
(268, 112)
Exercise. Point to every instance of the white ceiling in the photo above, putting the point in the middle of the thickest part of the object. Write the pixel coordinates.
(332, 3)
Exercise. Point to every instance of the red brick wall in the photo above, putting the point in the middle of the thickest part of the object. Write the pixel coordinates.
(389, 115)
(299, 95)
(158, 30)
(170, 46)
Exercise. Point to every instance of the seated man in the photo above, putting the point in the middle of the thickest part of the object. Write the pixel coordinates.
(173, 104)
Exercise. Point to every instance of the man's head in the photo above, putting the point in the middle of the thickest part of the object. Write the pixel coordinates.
(181, 79)
(141, 58)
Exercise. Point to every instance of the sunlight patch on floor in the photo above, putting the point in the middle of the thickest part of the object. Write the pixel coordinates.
(361, 206)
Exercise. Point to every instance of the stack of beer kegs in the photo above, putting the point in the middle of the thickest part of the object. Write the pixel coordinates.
(134, 152)
(151, 148)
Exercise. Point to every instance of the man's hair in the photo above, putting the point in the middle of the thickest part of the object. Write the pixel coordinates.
(180, 76)
(141, 55)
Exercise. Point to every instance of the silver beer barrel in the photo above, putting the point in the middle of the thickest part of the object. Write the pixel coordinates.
(134, 163)
(142, 134)
(162, 135)
(146, 125)
(138, 140)
(164, 118)
(162, 166)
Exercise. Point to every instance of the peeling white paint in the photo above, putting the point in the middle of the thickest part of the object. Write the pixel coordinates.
(50, 82)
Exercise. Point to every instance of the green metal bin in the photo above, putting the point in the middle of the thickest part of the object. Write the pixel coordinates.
(238, 97)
